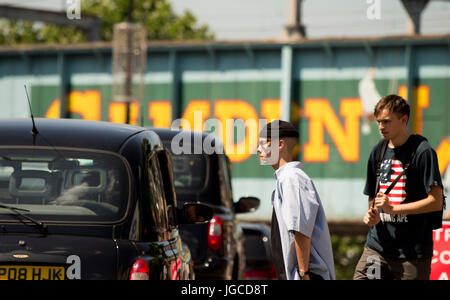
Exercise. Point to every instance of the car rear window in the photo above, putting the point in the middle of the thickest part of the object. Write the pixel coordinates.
(63, 185)
(193, 176)
(190, 171)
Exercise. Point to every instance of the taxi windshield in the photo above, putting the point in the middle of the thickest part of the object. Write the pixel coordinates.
(62, 185)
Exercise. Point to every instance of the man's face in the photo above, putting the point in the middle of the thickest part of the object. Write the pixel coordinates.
(268, 153)
(389, 124)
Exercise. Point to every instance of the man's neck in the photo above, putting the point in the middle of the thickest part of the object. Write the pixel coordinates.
(281, 163)
(400, 139)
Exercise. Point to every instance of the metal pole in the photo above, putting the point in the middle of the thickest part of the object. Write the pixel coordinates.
(128, 65)
(175, 88)
(411, 83)
(294, 29)
(286, 82)
(414, 8)
(63, 86)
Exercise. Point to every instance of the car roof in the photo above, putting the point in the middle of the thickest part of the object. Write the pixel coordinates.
(256, 227)
(66, 133)
(167, 134)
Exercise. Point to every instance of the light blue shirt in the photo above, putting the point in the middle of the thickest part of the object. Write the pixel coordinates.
(298, 208)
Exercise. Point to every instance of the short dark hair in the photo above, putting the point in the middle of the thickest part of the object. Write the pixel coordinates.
(279, 129)
(393, 103)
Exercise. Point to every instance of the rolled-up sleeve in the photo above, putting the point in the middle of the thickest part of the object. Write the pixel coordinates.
(300, 205)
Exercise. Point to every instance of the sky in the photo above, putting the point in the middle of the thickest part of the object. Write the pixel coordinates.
(265, 19)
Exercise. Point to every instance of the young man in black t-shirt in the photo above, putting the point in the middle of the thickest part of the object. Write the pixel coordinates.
(399, 243)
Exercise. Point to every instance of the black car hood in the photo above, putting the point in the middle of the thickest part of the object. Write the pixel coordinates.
(96, 257)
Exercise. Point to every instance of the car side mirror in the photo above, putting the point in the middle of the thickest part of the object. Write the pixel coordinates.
(195, 213)
(246, 204)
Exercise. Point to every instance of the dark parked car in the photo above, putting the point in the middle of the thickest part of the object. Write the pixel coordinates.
(204, 175)
(89, 200)
(258, 252)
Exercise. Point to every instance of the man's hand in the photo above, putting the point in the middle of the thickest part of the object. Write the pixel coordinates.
(372, 217)
(306, 277)
(381, 200)
(447, 215)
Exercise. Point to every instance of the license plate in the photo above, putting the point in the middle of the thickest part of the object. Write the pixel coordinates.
(31, 273)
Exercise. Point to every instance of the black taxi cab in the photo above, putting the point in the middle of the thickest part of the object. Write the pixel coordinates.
(89, 200)
(202, 173)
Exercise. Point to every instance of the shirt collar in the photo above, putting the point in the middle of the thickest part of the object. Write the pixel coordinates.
(289, 165)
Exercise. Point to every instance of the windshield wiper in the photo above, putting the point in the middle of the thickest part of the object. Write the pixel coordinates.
(42, 227)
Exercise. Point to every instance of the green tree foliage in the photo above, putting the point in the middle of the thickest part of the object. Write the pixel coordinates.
(157, 16)
(346, 253)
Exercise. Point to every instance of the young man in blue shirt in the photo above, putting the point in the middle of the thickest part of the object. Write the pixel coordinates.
(301, 245)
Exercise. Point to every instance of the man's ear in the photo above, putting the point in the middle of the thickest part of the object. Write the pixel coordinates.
(296, 149)
(405, 120)
(282, 144)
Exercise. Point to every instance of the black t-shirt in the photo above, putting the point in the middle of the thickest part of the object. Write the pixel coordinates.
(277, 252)
(404, 236)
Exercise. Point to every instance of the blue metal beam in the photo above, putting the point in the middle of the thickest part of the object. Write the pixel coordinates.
(286, 82)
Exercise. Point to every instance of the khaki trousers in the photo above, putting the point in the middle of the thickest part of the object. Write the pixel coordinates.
(373, 265)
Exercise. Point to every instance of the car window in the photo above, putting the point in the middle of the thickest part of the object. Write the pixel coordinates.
(225, 178)
(158, 205)
(190, 172)
(166, 164)
(62, 185)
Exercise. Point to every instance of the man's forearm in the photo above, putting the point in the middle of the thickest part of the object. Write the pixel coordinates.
(303, 250)
(433, 202)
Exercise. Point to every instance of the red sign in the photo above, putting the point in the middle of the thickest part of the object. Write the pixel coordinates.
(440, 265)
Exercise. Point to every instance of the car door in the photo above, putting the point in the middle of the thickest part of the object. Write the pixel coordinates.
(181, 267)
(236, 232)
(226, 195)
(160, 217)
